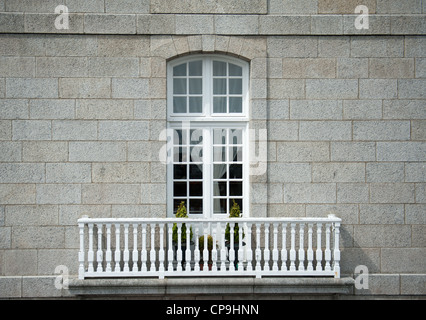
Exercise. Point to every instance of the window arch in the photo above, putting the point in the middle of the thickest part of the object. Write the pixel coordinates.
(208, 107)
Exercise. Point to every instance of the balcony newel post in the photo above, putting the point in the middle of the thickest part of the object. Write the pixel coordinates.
(336, 253)
(81, 252)
(90, 253)
(327, 247)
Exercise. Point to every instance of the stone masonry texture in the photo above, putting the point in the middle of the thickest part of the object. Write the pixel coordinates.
(82, 109)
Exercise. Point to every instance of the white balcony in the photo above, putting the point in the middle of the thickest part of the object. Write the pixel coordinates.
(144, 248)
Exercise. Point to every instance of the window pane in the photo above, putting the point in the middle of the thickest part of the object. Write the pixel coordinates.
(219, 171)
(235, 171)
(179, 154)
(179, 104)
(235, 105)
(220, 206)
(219, 86)
(195, 104)
(196, 86)
(219, 104)
(196, 68)
(179, 189)
(176, 203)
(196, 189)
(236, 136)
(195, 206)
(236, 154)
(180, 70)
(219, 189)
(196, 154)
(219, 136)
(177, 137)
(235, 189)
(196, 137)
(219, 68)
(235, 71)
(195, 171)
(235, 86)
(179, 86)
(219, 154)
(179, 171)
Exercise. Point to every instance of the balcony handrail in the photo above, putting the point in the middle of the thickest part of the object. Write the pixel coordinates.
(143, 247)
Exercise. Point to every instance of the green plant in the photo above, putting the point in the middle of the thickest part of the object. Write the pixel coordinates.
(234, 213)
(181, 213)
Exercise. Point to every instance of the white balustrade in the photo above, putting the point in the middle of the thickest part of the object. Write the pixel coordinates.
(264, 247)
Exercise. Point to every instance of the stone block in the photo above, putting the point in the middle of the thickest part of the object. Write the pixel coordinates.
(381, 130)
(124, 130)
(104, 109)
(5, 130)
(69, 214)
(391, 68)
(52, 109)
(45, 22)
(20, 262)
(284, 25)
(296, 7)
(411, 88)
(362, 109)
(130, 88)
(110, 24)
(156, 24)
(401, 151)
(10, 287)
(331, 89)
(377, 25)
(236, 24)
(373, 46)
(420, 68)
(22, 173)
(415, 172)
(309, 193)
(329, 46)
(413, 284)
(13, 109)
(283, 130)
(404, 109)
(10, 151)
(31, 130)
(85, 88)
(381, 214)
(40, 287)
(19, 67)
(22, 45)
(127, 6)
(382, 236)
(97, 151)
(385, 172)
(278, 109)
(403, 260)
(140, 151)
(74, 130)
(40, 237)
(58, 194)
(292, 47)
(111, 193)
(113, 67)
(327, 24)
(49, 259)
(44, 151)
(61, 67)
(325, 130)
(338, 172)
(194, 24)
(309, 68)
(420, 193)
(38, 215)
(12, 22)
(289, 172)
(123, 46)
(121, 172)
(17, 193)
(352, 193)
(68, 173)
(408, 24)
(414, 214)
(392, 193)
(395, 6)
(344, 6)
(378, 89)
(286, 89)
(381, 284)
(219, 7)
(31, 88)
(415, 46)
(315, 109)
(352, 68)
(303, 151)
(83, 6)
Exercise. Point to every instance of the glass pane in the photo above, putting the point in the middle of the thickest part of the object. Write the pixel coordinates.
(219, 189)
(219, 104)
(220, 206)
(219, 154)
(235, 171)
(179, 86)
(177, 137)
(235, 86)
(195, 171)
(235, 71)
(196, 189)
(236, 154)
(219, 171)
(179, 104)
(235, 189)
(196, 68)
(179, 171)
(236, 136)
(219, 68)
(239, 202)
(196, 86)
(195, 104)
(179, 189)
(235, 105)
(219, 86)
(219, 136)
(180, 70)
(196, 154)
(195, 206)
(176, 203)
(196, 137)
(179, 154)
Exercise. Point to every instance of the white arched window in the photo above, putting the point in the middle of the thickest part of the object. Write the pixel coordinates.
(208, 102)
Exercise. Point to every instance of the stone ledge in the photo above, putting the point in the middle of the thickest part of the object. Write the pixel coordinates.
(197, 24)
(212, 287)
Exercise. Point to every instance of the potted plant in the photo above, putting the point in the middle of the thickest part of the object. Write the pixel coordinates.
(181, 213)
(234, 213)
(209, 248)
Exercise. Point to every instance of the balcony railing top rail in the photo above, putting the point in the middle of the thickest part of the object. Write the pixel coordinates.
(173, 247)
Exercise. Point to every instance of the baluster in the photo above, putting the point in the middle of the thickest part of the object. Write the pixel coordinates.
(170, 251)
(336, 253)
(90, 254)
(205, 251)
(284, 248)
(266, 251)
(108, 252)
(293, 248)
(231, 247)
(310, 251)
(152, 255)
(117, 255)
(258, 252)
(301, 247)
(275, 250)
(318, 253)
(144, 252)
(188, 249)
(126, 254)
(161, 252)
(214, 250)
(249, 249)
(197, 249)
(179, 250)
(81, 269)
(135, 255)
(327, 248)
(222, 247)
(99, 253)
(240, 250)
